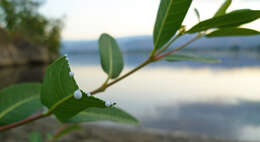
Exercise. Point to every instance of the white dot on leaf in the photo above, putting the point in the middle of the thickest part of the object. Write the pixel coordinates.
(108, 103)
(71, 74)
(89, 94)
(77, 94)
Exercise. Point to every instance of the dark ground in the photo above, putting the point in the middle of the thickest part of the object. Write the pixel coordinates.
(97, 133)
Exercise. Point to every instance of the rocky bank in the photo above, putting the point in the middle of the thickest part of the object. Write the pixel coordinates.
(20, 52)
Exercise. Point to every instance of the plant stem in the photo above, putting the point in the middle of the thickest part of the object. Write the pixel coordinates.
(151, 59)
(102, 88)
(16, 124)
(168, 44)
(178, 48)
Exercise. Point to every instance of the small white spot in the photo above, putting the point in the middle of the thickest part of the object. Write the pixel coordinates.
(66, 55)
(77, 94)
(67, 58)
(89, 94)
(108, 103)
(71, 74)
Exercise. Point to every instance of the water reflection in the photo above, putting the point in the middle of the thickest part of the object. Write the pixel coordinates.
(205, 100)
(221, 100)
(211, 119)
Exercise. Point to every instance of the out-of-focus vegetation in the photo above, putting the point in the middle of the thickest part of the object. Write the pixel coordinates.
(22, 20)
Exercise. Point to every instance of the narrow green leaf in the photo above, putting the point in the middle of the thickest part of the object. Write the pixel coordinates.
(222, 10)
(35, 137)
(170, 16)
(233, 32)
(19, 102)
(110, 56)
(197, 13)
(181, 57)
(104, 114)
(58, 89)
(233, 19)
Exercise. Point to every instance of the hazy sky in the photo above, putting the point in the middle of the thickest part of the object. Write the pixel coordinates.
(87, 19)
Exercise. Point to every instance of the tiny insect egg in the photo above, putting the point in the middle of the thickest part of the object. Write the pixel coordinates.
(77, 94)
(71, 74)
(108, 103)
(89, 94)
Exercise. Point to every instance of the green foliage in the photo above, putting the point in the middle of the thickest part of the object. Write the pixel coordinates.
(233, 19)
(35, 137)
(233, 32)
(19, 102)
(182, 57)
(169, 19)
(104, 114)
(110, 56)
(53, 37)
(197, 13)
(60, 92)
(58, 89)
(21, 17)
(21, 14)
(222, 10)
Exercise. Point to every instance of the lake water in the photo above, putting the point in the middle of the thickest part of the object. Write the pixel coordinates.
(221, 100)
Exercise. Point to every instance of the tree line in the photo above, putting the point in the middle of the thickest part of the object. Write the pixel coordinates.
(21, 19)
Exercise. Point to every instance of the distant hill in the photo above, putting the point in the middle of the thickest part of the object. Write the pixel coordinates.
(145, 43)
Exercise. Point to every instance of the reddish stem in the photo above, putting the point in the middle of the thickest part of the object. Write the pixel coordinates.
(16, 124)
(176, 49)
(102, 88)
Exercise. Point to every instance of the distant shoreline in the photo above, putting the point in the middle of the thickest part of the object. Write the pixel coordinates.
(145, 43)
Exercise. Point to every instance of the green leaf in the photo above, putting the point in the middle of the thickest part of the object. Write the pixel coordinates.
(181, 57)
(170, 16)
(197, 13)
(233, 32)
(19, 102)
(35, 137)
(58, 89)
(104, 114)
(233, 19)
(222, 10)
(110, 56)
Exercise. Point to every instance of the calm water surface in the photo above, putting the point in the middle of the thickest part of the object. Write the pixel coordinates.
(221, 100)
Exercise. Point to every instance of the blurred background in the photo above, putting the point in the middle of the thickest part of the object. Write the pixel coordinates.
(213, 100)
